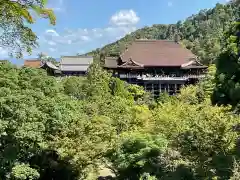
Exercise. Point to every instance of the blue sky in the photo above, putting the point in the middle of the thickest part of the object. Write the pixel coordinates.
(84, 25)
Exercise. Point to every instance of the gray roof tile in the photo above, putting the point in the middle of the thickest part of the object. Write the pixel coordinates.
(75, 63)
(86, 60)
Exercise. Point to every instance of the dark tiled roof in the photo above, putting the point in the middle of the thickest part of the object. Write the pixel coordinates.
(33, 63)
(157, 53)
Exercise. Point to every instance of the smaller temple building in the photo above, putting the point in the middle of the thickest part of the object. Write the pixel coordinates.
(68, 66)
(75, 65)
(48, 66)
(157, 65)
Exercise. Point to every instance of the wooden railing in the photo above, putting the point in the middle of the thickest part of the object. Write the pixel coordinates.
(162, 77)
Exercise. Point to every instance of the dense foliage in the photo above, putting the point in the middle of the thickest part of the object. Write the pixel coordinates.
(227, 90)
(85, 127)
(15, 16)
(51, 129)
(201, 33)
(76, 127)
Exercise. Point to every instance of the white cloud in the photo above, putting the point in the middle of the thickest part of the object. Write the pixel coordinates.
(3, 52)
(98, 35)
(52, 49)
(69, 41)
(51, 43)
(125, 17)
(85, 38)
(51, 32)
(170, 4)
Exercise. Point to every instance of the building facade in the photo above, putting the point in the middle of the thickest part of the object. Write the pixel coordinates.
(75, 65)
(157, 65)
(68, 66)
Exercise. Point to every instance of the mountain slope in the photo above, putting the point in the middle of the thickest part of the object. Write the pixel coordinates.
(200, 33)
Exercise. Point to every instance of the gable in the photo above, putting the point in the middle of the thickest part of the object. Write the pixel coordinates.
(192, 64)
(131, 63)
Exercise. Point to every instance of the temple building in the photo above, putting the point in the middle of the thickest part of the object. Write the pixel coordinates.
(68, 66)
(157, 65)
(48, 66)
(75, 65)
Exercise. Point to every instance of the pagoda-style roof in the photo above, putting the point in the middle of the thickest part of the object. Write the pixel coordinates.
(154, 53)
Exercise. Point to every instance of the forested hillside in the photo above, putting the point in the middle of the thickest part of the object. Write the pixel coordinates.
(72, 128)
(75, 128)
(202, 33)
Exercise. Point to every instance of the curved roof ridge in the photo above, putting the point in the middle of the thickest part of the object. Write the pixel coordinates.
(77, 56)
(139, 64)
(167, 40)
(130, 59)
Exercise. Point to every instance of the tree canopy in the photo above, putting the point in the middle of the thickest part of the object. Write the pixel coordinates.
(227, 78)
(76, 127)
(15, 16)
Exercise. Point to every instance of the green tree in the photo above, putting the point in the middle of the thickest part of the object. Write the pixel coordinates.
(15, 16)
(227, 88)
(97, 81)
(23, 171)
(47, 58)
(73, 86)
(132, 158)
(207, 84)
(33, 111)
(62, 129)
